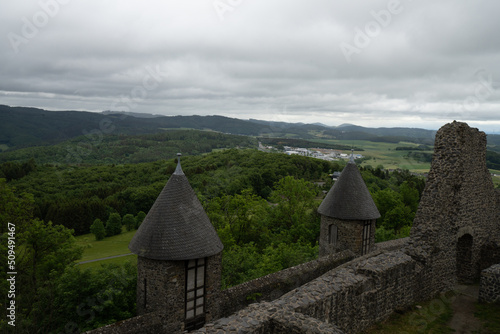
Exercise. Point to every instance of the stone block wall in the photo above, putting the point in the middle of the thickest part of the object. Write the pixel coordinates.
(349, 236)
(160, 286)
(391, 245)
(347, 299)
(161, 289)
(457, 214)
(226, 302)
(490, 255)
(213, 287)
(489, 286)
(275, 285)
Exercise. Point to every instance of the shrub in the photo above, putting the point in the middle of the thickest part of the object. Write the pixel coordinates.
(98, 229)
(114, 225)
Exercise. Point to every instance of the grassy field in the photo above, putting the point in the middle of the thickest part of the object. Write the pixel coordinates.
(422, 318)
(118, 261)
(384, 154)
(490, 315)
(111, 246)
(435, 316)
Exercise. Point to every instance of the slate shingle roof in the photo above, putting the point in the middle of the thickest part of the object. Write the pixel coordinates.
(176, 227)
(349, 197)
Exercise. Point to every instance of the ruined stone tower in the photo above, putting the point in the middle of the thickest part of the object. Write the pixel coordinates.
(348, 215)
(455, 232)
(179, 258)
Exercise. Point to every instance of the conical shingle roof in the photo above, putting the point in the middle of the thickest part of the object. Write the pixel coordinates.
(176, 227)
(349, 197)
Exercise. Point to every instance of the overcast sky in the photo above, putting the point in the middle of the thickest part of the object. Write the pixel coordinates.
(371, 63)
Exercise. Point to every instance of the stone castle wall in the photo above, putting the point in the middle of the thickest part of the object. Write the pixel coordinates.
(347, 299)
(222, 303)
(349, 236)
(457, 214)
(156, 279)
(273, 286)
(489, 287)
(161, 291)
(456, 233)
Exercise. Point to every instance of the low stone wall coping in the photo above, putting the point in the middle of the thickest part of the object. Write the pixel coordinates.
(489, 285)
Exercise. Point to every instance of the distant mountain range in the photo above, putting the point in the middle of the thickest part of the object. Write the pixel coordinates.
(24, 127)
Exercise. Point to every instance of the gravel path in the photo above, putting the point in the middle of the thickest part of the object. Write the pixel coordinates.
(464, 321)
(105, 258)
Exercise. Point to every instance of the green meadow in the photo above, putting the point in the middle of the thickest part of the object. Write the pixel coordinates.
(385, 154)
(110, 246)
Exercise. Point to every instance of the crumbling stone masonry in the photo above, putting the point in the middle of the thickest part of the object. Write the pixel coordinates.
(458, 213)
(273, 286)
(347, 299)
(489, 286)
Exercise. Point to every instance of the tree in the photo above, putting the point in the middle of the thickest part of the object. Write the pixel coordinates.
(240, 218)
(114, 224)
(386, 200)
(295, 212)
(14, 209)
(98, 229)
(129, 221)
(45, 251)
(139, 219)
(410, 195)
(92, 298)
(398, 217)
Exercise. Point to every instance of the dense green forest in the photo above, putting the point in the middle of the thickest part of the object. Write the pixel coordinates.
(263, 206)
(24, 127)
(106, 149)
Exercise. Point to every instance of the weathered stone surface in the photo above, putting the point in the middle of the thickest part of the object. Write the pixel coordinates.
(349, 236)
(274, 285)
(458, 211)
(391, 245)
(489, 286)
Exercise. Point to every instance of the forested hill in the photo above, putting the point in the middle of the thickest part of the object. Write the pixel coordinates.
(25, 127)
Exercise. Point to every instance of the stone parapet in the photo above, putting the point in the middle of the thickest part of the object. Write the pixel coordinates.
(489, 286)
(273, 286)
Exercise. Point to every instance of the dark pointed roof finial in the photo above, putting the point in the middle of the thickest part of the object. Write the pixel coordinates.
(351, 159)
(178, 169)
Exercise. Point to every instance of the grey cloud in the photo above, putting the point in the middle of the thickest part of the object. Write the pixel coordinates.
(285, 56)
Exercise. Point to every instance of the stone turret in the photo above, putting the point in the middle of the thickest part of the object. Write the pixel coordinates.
(179, 258)
(348, 215)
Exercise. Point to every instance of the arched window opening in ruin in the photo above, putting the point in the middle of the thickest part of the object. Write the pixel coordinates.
(465, 269)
